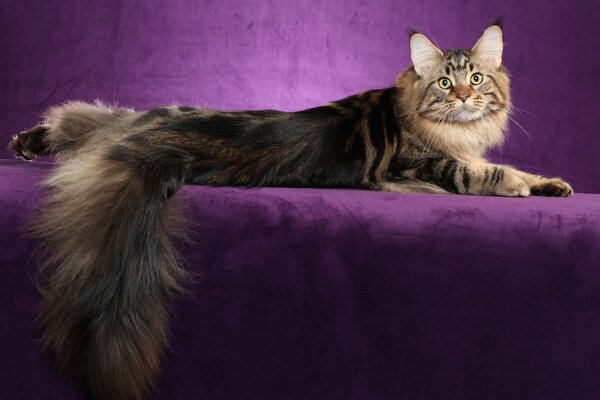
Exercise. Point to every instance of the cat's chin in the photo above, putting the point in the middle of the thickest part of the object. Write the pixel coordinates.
(465, 115)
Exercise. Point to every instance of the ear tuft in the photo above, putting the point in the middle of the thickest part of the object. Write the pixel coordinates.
(499, 22)
(488, 48)
(411, 31)
(425, 56)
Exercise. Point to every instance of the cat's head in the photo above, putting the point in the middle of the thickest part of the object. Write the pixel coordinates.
(459, 85)
(458, 101)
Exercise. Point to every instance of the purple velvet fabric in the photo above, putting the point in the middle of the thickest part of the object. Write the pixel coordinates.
(350, 294)
(292, 54)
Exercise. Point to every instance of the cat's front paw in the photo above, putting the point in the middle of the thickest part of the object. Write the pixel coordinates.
(519, 189)
(30, 144)
(511, 185)
(555, 187)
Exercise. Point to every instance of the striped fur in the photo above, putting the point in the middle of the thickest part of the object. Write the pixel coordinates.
(110, 217)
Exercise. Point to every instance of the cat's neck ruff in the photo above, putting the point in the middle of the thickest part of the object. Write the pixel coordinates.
(463, 140)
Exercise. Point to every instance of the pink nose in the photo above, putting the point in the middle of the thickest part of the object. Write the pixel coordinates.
(463, 97)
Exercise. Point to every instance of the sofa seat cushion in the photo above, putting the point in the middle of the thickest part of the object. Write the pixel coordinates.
(331, 294)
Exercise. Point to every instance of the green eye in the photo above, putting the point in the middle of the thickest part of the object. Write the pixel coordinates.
(476, 78)
(445, 83)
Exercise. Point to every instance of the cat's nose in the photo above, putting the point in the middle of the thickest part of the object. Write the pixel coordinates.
(462, 92)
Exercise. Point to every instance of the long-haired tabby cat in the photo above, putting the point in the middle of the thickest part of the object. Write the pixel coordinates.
(110, 216)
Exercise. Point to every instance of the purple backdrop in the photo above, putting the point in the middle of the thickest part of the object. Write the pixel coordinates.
(292, 54)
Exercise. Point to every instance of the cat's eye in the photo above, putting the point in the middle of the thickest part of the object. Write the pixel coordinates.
(445, 83)
(476, 78)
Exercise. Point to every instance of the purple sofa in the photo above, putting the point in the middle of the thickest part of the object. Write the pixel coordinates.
(350, 294)
(330, 294)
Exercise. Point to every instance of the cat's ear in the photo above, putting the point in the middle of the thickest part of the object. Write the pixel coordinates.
(425, 56)
(488, 49)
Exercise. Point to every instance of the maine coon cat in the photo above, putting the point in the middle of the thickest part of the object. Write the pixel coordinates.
(110, 215)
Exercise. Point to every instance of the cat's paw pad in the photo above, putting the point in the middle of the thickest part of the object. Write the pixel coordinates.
(30, 144)
(555, 187)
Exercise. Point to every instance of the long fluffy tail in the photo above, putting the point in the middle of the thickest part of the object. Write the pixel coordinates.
(110, 268)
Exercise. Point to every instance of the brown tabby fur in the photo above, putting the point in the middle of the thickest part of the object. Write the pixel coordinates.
(110, 216)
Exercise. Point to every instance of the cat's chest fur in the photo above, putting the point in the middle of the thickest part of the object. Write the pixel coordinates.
(462, 141)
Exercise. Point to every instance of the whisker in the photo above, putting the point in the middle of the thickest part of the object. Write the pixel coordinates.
(412, 111)
(435, 131)
(523, 111)
(446, 136)
(519, 125)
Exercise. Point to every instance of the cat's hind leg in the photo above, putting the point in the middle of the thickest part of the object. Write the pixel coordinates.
(67, 128)
(31, 143)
